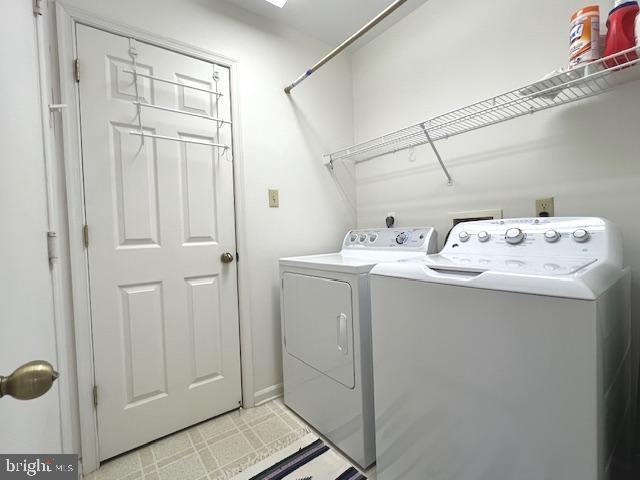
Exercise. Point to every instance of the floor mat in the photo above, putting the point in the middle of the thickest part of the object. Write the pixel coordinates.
(309, 458)
(293, 462)
(352, 474)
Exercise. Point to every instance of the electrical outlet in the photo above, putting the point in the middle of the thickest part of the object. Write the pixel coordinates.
(274, 199)
(545, 207)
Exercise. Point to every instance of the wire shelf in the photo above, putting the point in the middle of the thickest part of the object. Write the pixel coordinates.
(559, 89)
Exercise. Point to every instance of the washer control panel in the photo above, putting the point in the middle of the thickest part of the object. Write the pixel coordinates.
(411, 238)
(576, 237)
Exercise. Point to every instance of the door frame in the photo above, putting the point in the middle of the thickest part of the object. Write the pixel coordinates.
(66, 20)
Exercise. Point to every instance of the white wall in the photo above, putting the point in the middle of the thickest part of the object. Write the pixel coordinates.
(283, 140)
(445, 55)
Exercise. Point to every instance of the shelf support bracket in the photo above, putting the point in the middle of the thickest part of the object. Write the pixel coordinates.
(435, 150)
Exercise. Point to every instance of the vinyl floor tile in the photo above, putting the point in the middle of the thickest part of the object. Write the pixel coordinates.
(217, 449)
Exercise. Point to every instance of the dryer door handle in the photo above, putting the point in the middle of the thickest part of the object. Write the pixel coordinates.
(343, 340)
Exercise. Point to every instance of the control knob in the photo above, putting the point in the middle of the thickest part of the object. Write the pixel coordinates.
(552, 236)
(373, 237)
(353, 237)
(484, 236)
(464, 236)
(514, 236)
(581, 235)
(402, 238)
(363, 237)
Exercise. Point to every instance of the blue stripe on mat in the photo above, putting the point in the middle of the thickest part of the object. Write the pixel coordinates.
(352, 474)
(293, 462)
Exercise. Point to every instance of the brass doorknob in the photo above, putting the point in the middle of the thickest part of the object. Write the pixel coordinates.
(226, 257)
(29, 381)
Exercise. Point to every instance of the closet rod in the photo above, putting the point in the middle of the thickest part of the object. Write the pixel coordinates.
(177, 139)
(381, 16)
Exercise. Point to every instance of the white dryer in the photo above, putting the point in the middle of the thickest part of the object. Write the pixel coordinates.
(326, 334)
(506, 356)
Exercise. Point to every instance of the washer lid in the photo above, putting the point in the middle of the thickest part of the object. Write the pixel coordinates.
(587, 280)
(508, 264)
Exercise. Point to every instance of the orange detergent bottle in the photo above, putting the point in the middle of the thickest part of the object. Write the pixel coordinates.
(584, 37)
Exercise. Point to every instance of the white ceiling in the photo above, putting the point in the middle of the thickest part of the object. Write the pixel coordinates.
(329, 20)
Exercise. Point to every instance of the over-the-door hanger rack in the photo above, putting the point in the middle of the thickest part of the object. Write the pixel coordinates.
(139, 104)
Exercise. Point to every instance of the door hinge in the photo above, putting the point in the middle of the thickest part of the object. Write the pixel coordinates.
(85, 236)
(76, 69)
(95, 395)
(37, 7)
(52, 246)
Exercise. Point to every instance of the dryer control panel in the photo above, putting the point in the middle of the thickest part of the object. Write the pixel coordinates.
(573, 237)
(404, 239)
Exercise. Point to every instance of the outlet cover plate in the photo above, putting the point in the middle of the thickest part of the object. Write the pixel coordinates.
(545, 207)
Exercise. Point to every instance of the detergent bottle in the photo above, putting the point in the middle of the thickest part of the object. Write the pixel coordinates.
(584, 36)
(621, 34)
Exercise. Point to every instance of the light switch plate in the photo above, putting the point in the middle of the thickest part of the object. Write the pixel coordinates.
(545, 207)
(274, 198)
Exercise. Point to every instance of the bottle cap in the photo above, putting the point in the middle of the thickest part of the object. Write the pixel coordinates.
(623, 2)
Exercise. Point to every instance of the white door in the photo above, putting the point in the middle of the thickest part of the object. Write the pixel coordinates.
(26, 301)
(160, 215)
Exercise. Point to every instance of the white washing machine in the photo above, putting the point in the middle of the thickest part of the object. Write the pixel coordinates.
(506, 356)
(326, 334)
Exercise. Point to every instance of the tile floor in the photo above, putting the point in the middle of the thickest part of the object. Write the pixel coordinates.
(223, 447)
(213, 450)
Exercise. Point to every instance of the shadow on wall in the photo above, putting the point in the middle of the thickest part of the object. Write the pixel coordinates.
(427, 161)
(571, 130)
(343, 173)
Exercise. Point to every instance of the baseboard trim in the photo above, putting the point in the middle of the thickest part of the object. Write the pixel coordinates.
(267, 394)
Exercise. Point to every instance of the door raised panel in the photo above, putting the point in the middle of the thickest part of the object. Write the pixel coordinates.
(122, 86)
(195, 101)
(204, 317)
(198, 164)
(143, 327)
(135, 188)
